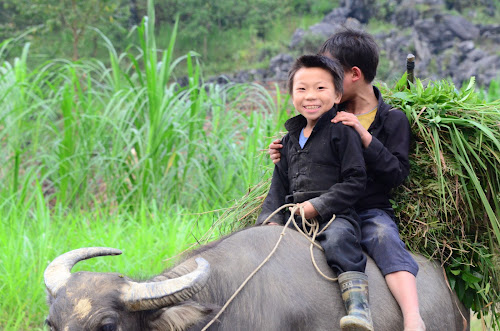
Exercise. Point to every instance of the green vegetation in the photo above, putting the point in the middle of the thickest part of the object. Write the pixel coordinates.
(64, 122)
(228, 35)
(450, 206)
(492, 91)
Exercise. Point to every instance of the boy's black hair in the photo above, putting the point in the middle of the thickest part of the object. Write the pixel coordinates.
(318, 61)
(353, 48)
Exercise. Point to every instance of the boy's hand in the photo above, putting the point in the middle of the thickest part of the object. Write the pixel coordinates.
(274, 150)
(352, 121)
(309, 210)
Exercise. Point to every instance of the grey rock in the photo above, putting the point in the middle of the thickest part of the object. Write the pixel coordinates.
(466, 47)
(405, 16)
(362, 10)
(445, 45)
(324, 30)
(462, 28)
(434, 33)
(337, 16)
(297, 37)
(279, 66)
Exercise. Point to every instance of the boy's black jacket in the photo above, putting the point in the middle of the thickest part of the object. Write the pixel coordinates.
(329, 171)
(386, 157)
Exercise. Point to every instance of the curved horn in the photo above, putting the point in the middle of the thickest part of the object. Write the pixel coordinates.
(58, 272)
(154, 295)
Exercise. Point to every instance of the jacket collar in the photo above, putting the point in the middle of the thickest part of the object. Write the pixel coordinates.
(382, 109)
(382, 106)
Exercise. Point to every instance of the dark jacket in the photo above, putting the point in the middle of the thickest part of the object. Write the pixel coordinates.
(386, 157)
(329, 171)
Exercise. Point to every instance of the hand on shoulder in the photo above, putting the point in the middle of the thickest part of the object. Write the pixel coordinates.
(351, 120)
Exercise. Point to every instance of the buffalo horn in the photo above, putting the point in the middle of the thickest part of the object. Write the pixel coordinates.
(58, 272)
(154, 295)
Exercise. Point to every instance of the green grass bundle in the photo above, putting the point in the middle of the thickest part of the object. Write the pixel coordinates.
(449, 207)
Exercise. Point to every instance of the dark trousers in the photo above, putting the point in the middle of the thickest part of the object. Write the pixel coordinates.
(342, 244)
(382, 242)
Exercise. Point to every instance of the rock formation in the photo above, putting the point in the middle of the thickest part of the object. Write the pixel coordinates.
(446, 44)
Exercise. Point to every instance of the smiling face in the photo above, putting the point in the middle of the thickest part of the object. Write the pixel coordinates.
(313, 93)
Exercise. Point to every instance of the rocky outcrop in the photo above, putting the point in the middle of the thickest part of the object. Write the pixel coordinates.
(445, 45)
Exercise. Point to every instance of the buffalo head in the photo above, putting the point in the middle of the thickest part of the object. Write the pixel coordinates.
(111, 302)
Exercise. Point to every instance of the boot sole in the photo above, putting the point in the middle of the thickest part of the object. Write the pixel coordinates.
(354, 324)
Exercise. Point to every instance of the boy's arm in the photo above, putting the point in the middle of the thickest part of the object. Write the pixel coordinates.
(390, 162)
(277, 192)
(344, 194)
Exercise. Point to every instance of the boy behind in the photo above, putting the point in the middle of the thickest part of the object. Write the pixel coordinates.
(322, 168)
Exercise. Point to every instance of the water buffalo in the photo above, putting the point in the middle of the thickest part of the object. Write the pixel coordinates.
(286, 294)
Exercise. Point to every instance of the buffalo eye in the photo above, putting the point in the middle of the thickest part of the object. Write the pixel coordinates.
(108, 327)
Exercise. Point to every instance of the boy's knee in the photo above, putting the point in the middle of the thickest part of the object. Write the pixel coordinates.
(377, 232)
(339, 238)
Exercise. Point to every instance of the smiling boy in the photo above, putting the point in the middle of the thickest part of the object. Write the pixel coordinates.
(322, 168)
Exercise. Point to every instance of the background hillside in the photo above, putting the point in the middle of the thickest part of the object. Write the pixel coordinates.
(455, 39)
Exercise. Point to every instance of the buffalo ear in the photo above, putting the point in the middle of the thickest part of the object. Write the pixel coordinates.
(179, 317)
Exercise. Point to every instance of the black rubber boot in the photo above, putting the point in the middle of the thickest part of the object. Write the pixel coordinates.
(354, 288)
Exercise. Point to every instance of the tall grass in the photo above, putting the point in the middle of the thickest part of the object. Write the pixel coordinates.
(96, 135)
(118, 155)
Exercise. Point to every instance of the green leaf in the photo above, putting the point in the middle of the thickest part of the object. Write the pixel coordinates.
(470, 278)
(403, 96)
(452, 282)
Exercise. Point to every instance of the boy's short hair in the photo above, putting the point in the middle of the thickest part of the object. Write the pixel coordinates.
(353, 48)
(318, 61)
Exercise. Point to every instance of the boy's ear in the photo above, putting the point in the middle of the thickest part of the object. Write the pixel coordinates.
(357, 74)
(338, 97)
